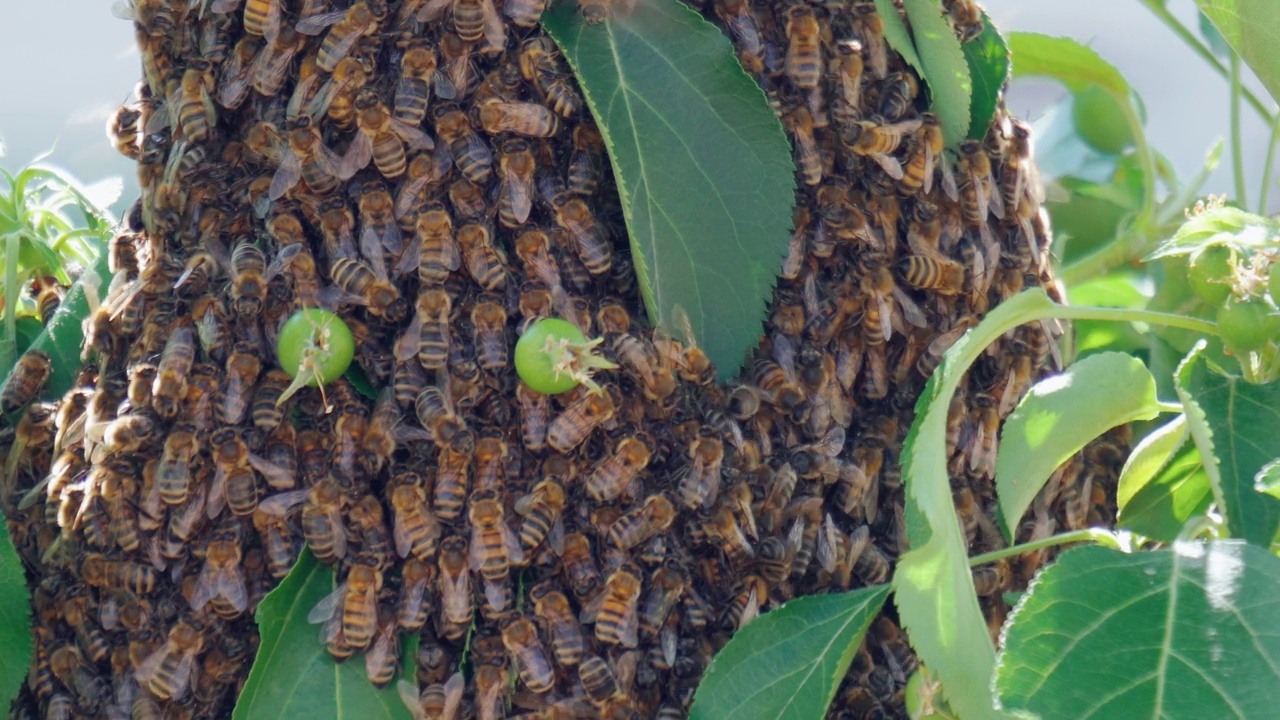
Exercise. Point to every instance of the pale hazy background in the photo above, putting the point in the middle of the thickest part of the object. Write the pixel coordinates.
(65, 65)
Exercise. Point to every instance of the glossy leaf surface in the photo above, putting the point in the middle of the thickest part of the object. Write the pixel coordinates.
(787, 663)
(703, 168)
(945, 67)
(1182, 632)
(293, 675)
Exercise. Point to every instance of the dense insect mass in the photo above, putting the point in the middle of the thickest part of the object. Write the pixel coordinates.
(428, 171)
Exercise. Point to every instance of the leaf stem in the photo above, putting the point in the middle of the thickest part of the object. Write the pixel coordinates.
(1267, 166)
(1098, 536)
(1237, 150)
(1087, 312)
(1157, 8)
(9, 342)
(1169, 407)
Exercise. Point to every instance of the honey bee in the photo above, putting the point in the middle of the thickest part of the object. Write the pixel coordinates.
(579, 566)
(414, 602)
(429, 335)
(419, 72)
(452, 478)
(542, 65)
(879, 288)
(167, 671)
(383, 656)
(579, 420)
(305, 157)
(641, 524)
(124, 131)
(437, 702)
(352, 608)
(490, 322)
(348, 27)
(485, 260)
(414, 528)
(322, 523)
(991, 579)
(879, 141)
(173, 474)
(966, 16)
(520, 118)
(384, 137)
(552, 607)
(90, 639)
(981, 453)
(615, 608)
(808, 159)
(197, 114)
(597, 679)
(470, 153)
(612, 476)
(468, 199)
(368, 281)
(472, 20)
(515, 194)
(457, 601)
(520, 638)
(336, 99)
(777, 377)
(741, 22)
(222, 578)
(803, 63)
(26, 380)
(438, 416)
(458, 66)
(979, 195)
(942, 275)
(277, 542)
(589, 238)
(926, 154)
(271, 67)
(534, 417)
(494, 547)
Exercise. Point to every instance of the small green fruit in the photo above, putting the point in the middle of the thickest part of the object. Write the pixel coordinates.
(317, 341)
(1099, 121)
(1210, 274)
(553, 356)
(1245, 324)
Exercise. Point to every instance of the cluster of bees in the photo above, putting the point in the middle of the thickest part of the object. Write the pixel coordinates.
(428, 170)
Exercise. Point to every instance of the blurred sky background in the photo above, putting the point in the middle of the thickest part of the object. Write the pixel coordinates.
(69, 63)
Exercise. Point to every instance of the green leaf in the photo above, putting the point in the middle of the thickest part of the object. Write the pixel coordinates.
(1060, 415)
(1115, 289)
(15, 621)
(1067, 61)
(35, 256)
(1149, 457)
(1180, 491)
(1235, 426)
(989, 66)
(360, 381)
(1268, 479)
(64, 333)
(1252, 29)
(1212, 37)
(1227, 226)
(1183, 632)
(787, 663)
(703, 167)
(898, 36)
(945, 67)
(293, 675)
(933, 586)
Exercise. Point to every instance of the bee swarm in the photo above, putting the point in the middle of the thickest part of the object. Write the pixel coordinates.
(429, 171)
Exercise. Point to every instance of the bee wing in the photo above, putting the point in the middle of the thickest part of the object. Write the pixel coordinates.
(234, 87)
(409, 259)
(795, 536)
(328, 605)
(453, 688)
(948, 178)
(404, 542)
(287, 175)
(271, 30)
(886, 315)
(995, 199)
(515, 552)
(320, 102)
(408, 691)
(455, 595)
(371, 249)
(283, 258)
(432, 9)
(555, 537)
(385, 646)
(911, 312)
(33, 495)
(832, 443)
(300, 93)
(890, 164)
(409, 192)
(631, 633)
(928, 168)
(443, 85)
(314, 24)
(358, 155)
(217, 499)
(592, 608)
(414, 137)
(148, 667)
(495, 594)
(406, 347)
(521, 193)
(275, 475)
(828, 545)
(281, 504)
(784, 353)
(476, 539)
(495, 32)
